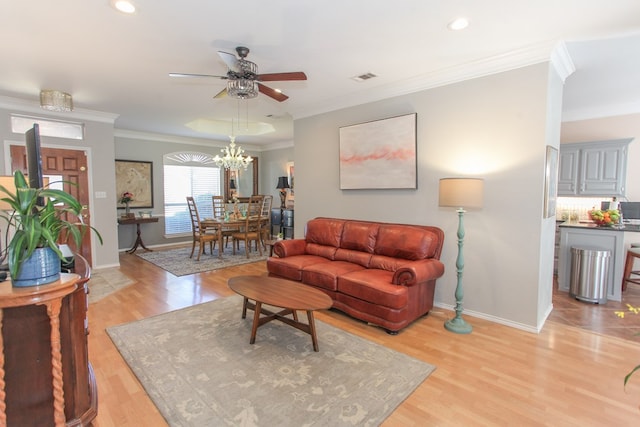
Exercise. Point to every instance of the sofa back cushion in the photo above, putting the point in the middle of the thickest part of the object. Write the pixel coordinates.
(405, 241)
(325, 231)
(360, 236)
(355, 257)
(327, 252)
(382, 262)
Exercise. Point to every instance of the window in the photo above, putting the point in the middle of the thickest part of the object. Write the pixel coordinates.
(188, 174)
(48, 127)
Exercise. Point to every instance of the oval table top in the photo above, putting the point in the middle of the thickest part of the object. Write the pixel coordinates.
(280, 292)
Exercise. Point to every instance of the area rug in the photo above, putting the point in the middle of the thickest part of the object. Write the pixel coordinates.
(106, 281)
(200, 370)
(177, 261)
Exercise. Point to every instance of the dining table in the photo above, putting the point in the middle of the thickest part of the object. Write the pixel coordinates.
(229, 222)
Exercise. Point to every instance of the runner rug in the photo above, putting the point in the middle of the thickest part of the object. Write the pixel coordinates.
(200, 370)
(177, 261)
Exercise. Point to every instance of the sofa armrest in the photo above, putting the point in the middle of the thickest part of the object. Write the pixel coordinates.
(416, 272)
(285, 248)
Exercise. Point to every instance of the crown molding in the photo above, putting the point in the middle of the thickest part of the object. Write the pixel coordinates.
(174, 139)
(562, 62)
(530, 55)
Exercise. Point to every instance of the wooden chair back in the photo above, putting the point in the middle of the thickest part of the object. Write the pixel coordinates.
(218, 206)
(195, 217)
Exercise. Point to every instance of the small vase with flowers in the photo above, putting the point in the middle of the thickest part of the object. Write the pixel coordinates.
(125, 199)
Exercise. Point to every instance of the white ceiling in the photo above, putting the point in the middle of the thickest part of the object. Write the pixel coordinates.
(119, 64)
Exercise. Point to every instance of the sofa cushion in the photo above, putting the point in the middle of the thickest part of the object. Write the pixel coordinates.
(291, 267)
(325, 274)
(356, 257)
(405, 241)
(327, 252)
(374, 286)
(387, 263)
(359, 236)
(325, 231)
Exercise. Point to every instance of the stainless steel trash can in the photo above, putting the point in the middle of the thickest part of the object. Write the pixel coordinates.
(589, 268)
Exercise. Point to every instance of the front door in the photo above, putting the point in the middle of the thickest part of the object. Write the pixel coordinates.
(66, 165)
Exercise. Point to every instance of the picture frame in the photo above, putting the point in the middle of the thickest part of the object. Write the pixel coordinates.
(135, 177)
(291, 178)
(550, 182)
(380, 154)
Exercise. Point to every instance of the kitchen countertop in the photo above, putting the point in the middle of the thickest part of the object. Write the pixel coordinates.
(589, 224)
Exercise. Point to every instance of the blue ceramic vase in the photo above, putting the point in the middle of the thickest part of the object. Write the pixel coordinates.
(41, 268)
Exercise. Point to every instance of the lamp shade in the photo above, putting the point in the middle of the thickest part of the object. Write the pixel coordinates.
(461, 192)
(283, 182)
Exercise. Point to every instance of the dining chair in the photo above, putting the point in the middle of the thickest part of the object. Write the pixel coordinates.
(218, 206)
(265, 218)
(219, 209)
(251, 231)
(200, 236)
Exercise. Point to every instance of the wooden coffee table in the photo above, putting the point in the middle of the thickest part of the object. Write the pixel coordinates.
(285, 294)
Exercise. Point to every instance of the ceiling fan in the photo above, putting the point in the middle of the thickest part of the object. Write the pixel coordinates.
(243, 80)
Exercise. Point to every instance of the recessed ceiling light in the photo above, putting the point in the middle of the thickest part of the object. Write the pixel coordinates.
(123, 6)
(458, 24)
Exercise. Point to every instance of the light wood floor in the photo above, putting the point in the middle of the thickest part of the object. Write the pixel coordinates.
(496, 376)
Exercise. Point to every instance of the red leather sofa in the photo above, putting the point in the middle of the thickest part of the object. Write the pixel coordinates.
(381, 273)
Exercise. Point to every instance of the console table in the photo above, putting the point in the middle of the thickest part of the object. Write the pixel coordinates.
(137, 222)
(45, 375)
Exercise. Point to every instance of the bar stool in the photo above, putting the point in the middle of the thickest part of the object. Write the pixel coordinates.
(632, 253)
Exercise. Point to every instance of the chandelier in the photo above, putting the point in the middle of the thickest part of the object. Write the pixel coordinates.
(233, 158)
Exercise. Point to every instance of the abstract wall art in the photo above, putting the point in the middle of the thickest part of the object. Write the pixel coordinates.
(379, 155)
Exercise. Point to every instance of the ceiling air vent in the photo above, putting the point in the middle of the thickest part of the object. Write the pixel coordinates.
(363, 77)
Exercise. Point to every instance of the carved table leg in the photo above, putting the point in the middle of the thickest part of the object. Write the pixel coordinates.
(53, 310)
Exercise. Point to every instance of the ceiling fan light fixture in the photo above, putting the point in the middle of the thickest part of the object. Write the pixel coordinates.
(242, 88)
(55, 100)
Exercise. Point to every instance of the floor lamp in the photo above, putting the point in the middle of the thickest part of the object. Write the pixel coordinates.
(460, 193)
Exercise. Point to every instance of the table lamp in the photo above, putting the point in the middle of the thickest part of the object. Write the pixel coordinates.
(283, 184)
(460, 193)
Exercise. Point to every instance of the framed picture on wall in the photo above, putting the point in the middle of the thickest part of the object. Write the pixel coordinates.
(135, 177)
(550, 182)
(379, 155)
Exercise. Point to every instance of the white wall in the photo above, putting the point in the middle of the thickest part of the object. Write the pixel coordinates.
(98, 143)
(493, 127)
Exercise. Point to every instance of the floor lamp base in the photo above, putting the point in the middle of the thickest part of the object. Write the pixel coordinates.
(458, 326)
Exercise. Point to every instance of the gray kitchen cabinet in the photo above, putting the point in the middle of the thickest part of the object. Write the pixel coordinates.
(568, 170)
(596, 168)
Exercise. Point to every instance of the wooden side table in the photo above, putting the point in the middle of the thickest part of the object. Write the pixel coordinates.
(137, 221)
(51, 296)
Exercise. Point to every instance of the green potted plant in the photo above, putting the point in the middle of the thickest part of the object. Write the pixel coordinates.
(37, 225)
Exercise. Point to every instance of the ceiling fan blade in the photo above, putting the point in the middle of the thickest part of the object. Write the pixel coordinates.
(272, 93)
(196, 75)
(273, 77)
(230, 60)
(221, 94)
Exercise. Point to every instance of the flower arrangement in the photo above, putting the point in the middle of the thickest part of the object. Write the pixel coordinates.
(633, 310)
(126, 198)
